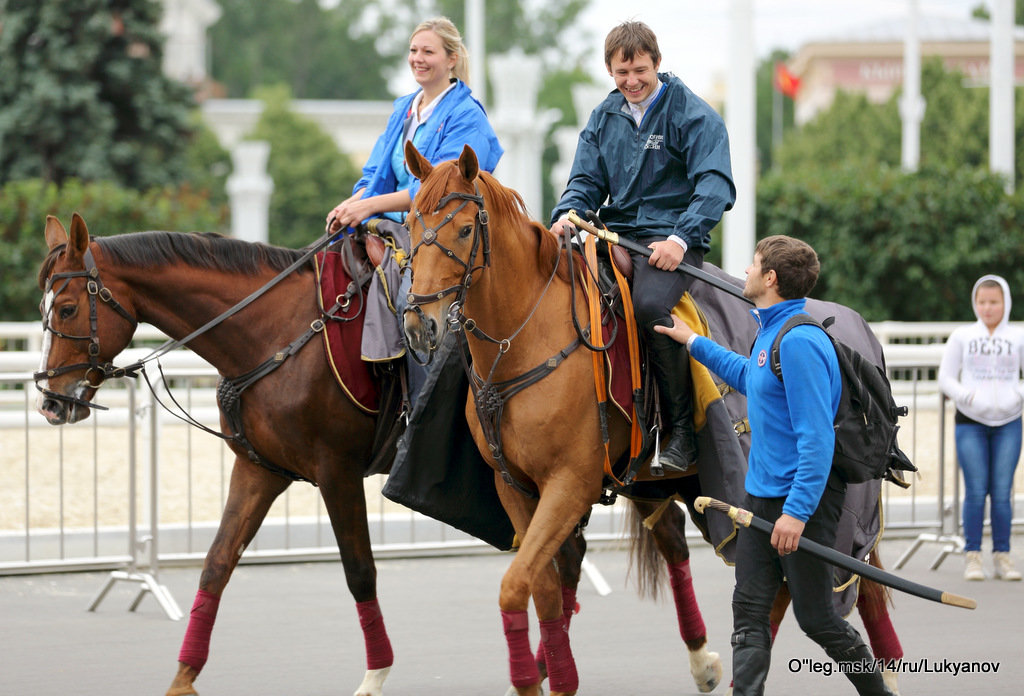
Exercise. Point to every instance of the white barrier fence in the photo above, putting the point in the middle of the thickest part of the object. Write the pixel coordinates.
(134, 487)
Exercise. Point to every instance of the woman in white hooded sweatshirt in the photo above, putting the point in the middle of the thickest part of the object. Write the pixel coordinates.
(981, 373)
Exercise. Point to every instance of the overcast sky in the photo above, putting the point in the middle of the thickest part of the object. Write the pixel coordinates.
(694, 34)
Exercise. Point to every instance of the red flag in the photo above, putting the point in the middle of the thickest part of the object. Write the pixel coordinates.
(785, 81)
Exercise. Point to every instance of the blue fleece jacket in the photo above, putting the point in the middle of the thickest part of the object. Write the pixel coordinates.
(792, 439)
(458, 120)
(669, 175)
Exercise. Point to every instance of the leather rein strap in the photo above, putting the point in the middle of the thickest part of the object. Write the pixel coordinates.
(600, 377)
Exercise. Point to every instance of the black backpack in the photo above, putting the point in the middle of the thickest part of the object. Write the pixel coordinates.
(865, 422)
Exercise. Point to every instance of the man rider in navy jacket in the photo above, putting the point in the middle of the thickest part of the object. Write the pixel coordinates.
(654, 161)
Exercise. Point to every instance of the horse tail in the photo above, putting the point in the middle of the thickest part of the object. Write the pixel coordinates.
(644, 556)
(873, 596)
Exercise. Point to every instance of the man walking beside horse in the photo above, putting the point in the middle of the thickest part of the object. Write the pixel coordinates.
(789, 478)
(654, 160)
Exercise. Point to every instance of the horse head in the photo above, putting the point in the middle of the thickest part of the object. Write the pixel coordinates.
(84, 326)
(450, 242)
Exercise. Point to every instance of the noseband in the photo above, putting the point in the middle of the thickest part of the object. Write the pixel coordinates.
(95, 290)
(481, 237)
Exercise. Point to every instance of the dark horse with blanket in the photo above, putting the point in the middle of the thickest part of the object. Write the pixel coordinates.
(481, 266)
(282, 411)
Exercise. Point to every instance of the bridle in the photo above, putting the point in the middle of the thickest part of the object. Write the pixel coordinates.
(481, 238)
(490, 396)
(95, 291)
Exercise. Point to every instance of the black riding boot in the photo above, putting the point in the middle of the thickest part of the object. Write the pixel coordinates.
(861, 668)
(750, 664)
(670, 364)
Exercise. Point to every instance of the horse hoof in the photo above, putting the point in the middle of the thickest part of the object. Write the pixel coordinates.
(706, 668)
(537, 690)
(182, 691)
(373, 682)
(892, 681)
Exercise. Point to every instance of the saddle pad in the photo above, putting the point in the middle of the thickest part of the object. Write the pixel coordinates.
(343, 339)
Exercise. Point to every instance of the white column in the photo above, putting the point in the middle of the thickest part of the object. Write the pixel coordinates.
(740, 107)
(515, 78)
(249, 189)
(1002, 66)
(912, 103)
(476, 42)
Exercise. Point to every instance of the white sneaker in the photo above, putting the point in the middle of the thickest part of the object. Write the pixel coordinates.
(973, 569)
(1003, 564)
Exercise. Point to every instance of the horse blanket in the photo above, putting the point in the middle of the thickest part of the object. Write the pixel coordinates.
(343, 334)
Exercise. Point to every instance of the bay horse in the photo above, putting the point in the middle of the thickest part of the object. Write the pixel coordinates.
(479, 261)
(96, 291)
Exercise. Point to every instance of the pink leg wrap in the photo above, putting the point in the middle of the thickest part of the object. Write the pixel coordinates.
(691, 625)
(378, 647)
(569, 607)
(554, 639)
(196, 646)
(885, 644)
(522, 668)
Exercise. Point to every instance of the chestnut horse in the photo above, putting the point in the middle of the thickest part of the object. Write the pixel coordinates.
(479, 261)
(96, 293)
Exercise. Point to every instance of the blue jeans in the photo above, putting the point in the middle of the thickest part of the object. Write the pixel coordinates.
(988, 457)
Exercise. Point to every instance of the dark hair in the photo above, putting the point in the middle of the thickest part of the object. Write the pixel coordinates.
(631, 38)
(795, 264)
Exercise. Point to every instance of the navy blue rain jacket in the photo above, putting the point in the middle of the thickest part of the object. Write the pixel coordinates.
(670, 175)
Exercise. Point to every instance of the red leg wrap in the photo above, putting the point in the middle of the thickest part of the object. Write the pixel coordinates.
(196, 646)
(378, 647)
(522, 668)
(554, 638)
(691, 624)
(569, 607)
(885, 644)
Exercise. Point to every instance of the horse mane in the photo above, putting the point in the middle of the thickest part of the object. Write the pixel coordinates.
(200, 250)
(503, 203)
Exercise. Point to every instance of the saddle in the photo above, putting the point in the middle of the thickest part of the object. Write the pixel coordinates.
(362, 340)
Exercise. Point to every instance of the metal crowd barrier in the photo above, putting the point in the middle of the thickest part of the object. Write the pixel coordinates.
(66, 505)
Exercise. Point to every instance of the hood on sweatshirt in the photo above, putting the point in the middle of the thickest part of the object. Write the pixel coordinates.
(1007, 301)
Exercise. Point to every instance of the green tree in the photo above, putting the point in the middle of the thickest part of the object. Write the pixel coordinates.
(310, 174)
(83, 95)
(321, 53)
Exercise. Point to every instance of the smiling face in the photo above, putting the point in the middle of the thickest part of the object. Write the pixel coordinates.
(636, 78)
(431, 65)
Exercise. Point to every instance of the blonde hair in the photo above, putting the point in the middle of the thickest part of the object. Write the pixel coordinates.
(451, 39)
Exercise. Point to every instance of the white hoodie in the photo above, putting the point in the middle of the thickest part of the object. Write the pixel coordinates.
(981, 372)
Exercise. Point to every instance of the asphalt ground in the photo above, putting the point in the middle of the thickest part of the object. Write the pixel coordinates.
(291, 630)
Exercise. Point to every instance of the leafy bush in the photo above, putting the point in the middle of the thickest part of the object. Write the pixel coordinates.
(899, 246)
(107, 208)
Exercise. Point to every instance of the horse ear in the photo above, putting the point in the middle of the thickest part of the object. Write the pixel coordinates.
(55, 233)
(79, 237)
(468, 164)
(418, 164)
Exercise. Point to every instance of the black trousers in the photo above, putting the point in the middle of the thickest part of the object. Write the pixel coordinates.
(759, 572)
(656, 292)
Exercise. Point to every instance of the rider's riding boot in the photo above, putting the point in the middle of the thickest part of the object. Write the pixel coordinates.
(670, 364)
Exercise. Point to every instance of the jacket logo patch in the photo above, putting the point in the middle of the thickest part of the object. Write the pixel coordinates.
(654, 142)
